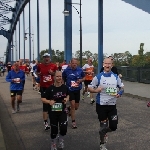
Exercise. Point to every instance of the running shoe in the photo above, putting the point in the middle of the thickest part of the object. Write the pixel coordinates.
(61, 144)
(47, 127)
(92, 102)
(18, 108)
(53, 146)
(148, 104)
(13, 111)
(74, 126)
(103, 147)
(88, 94)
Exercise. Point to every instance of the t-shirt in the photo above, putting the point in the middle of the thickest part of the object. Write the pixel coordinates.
(45, 78)
(72, 76)
(32, 65)
(109, 83)
(57, 94)
(90, 70)
(23, 68)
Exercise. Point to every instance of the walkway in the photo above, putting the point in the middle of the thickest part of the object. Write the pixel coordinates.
(24, 130)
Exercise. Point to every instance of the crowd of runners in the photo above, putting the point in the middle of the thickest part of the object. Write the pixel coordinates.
(60, 87)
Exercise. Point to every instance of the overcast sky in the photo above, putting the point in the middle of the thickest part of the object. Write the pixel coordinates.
(125, 27)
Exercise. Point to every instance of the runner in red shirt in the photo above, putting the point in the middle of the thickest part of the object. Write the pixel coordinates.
(46, 71)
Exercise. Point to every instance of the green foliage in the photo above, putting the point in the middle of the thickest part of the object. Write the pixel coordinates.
(120, 59)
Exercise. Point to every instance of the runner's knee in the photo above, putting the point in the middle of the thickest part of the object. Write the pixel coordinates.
(63, 128)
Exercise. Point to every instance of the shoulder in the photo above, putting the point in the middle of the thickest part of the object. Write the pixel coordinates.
(114, 75)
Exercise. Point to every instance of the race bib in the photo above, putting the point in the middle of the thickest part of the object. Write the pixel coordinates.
(111, 91)
(17, 80)
(74, 84)
(57, 107)
(47, 78)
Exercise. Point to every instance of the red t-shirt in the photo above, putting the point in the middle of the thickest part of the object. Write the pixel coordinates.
(23, 68)
(45, 78)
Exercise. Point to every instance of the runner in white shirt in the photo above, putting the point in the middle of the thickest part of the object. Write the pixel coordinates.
(31, 71)
(105, 84)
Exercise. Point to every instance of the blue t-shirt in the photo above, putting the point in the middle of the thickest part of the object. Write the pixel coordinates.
(71, 76)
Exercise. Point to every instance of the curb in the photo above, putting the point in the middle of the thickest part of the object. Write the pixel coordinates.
(2, 143)
(136, 96)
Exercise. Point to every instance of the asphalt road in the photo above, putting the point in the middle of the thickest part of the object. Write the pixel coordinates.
(24, 130)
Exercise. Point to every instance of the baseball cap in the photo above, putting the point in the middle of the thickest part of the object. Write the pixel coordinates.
(46, 54)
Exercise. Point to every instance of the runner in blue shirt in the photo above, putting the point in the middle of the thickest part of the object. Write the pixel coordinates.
(74, 76)
(15, 77)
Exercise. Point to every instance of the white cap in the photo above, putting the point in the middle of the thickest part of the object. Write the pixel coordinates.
(46, 54)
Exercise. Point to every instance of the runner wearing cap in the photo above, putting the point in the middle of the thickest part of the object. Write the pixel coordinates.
(105, 84)
(46, 71)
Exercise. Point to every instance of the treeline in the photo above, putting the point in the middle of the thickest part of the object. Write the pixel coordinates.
(120, 59)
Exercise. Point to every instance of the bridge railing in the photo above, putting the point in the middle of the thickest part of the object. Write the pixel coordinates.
(135, 74)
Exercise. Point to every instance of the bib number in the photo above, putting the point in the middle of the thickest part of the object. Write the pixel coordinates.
(111, 91)
(74, 84)
(57, 107)
(47, 78)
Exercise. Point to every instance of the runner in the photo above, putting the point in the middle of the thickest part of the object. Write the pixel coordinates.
(74, 76)
(31, 71)
(24, 69)
(8, 66)
(148, 104)
(15, 77)
(57, 96)
(46, 71)
(105, 84)
(89, 73)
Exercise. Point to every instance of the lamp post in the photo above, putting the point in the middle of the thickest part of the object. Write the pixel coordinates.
(66, 13)
(31, 35)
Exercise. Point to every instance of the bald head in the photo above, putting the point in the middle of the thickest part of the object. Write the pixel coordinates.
(107, 64)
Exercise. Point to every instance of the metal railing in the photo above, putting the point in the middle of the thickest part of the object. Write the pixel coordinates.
(135, 74)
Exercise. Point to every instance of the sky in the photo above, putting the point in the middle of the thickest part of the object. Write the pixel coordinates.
(125, 27)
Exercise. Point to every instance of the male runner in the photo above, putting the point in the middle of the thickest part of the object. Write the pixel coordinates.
(74, 76)
(89, 73)
(46, 71)
(16, 78)
(105, 84)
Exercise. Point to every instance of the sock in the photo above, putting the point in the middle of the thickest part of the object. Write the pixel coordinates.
(73, 120)
(45, 122)
(61, 138)
(54, 141)
(91, 99)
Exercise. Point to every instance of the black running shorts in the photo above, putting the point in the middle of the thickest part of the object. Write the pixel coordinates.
(15, 92)
(74, 95)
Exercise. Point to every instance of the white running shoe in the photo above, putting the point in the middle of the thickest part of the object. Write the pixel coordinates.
(61, 144)
(13, 111)
(53, 146)
(103, 147)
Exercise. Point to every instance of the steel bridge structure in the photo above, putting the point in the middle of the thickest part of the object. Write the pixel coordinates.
(19, 9)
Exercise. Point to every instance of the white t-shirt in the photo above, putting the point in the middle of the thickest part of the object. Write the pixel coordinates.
(32, 65)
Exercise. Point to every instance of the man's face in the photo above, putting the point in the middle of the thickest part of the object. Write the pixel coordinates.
(16, 66)
(107, 65)
(20, 62)
(74, 64)
(46, 59)
(90, 60)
